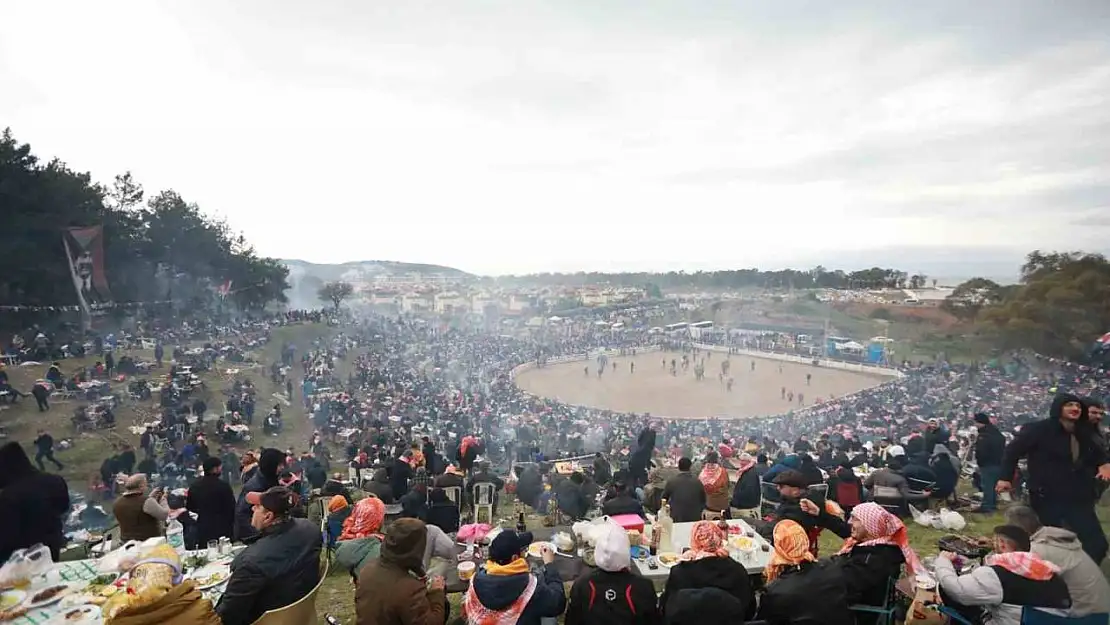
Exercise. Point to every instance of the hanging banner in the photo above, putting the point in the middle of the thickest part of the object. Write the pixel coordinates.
(85, 253)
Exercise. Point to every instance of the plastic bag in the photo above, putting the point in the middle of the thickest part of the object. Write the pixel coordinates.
(951, 520)
(24, 565)
(928, 518)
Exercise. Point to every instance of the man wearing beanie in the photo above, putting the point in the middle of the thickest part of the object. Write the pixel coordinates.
(506, 591)
(989, 448)
(270, 464)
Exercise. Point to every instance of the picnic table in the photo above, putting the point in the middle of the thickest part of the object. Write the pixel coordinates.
(570, 567)
(754, 562)
(77, 574)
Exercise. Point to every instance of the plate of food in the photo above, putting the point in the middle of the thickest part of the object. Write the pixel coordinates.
(667, 559)
(48, 596)
(77, 615)
(211, 576)
(535, 550)
(11, 598)
(743, 543)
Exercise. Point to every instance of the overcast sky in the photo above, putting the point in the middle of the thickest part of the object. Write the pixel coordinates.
(516, 136)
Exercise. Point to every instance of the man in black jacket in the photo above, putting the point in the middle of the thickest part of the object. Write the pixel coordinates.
(211, 499)
(685, 494)
(33, 504)
(990, 446)
(1064, 460)
(280, 566)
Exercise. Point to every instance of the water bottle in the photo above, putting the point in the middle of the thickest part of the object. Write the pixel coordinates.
(175, 536)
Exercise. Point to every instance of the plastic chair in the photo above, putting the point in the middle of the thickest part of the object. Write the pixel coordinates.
(483, 502)
(884, 614)
(454, 493)
(365, 475)
(352, 476)
(300, 612)
(1033, 616)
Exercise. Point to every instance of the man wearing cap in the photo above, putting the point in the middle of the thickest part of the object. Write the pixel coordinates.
(793, 488)
(990, 446)
(270, 464)
(506, 591)
(281, 564)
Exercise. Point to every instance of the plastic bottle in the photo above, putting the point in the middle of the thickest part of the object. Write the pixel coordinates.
(175, 536)
(666, 525)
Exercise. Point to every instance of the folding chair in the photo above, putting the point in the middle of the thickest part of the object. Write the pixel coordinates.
(884, 614)
(483, 502)
(365, 475)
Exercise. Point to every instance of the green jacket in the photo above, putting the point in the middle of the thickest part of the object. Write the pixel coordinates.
(353, 554)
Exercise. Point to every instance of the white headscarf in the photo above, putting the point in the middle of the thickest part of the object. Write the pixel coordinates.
(613, 551)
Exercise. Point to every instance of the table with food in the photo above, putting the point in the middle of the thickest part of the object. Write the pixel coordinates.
(470, 557)
(89, 591)
(745, 545)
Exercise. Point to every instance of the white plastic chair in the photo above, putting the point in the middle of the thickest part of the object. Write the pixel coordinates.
(483, 502)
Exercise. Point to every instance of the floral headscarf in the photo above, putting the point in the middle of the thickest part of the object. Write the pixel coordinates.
(791, 548)
(337, 503)
(706, 541)
(365, 520)
(884, 529)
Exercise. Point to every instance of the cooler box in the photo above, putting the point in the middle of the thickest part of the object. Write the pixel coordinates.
(629, 522)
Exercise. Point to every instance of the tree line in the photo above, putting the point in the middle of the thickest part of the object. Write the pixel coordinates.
(817, 278)
(1059, 308)
(155, 248)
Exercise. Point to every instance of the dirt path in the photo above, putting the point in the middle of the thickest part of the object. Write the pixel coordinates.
(652, 388)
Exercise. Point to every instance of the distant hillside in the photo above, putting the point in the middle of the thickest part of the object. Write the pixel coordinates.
(366, 269)
(306, 278)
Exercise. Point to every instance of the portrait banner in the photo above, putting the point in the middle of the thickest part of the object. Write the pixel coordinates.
(85, 253)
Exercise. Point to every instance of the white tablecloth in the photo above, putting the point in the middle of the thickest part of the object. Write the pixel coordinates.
(754, 562)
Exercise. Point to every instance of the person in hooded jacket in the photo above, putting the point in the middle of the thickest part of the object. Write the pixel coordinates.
(1064, 460)
(612, 594)
(946, 467)
(33, 504)
(506, 591)
(990, 446)
(393, 589)
(270, 464)
(708, 565)
(1087, 585)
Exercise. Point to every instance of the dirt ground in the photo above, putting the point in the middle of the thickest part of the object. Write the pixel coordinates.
(651, 387)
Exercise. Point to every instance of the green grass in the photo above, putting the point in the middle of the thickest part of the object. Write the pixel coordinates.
(82, 461)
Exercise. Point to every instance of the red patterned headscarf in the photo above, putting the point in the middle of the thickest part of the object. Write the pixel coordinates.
(706, 541)
(883, 528)
(365, 520)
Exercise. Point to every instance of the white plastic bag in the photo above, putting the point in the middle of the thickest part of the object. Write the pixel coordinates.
(928, 518)
(951, 520)
(25, 564)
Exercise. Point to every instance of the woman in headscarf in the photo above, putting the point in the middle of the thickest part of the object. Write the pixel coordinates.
(748, 493)
(800, 589)
(361, 539)
(874, 553)
(338, 512)
(714, 479)
(946, 467)
(708, 565)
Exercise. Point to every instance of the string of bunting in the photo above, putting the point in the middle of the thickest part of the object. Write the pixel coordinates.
(75, 308)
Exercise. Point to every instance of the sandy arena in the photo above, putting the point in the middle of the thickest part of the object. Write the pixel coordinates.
(651, 387)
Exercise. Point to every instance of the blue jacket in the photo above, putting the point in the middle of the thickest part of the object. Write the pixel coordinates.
(497, 592)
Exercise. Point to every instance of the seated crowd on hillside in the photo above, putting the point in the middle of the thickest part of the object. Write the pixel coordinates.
(426, 410)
